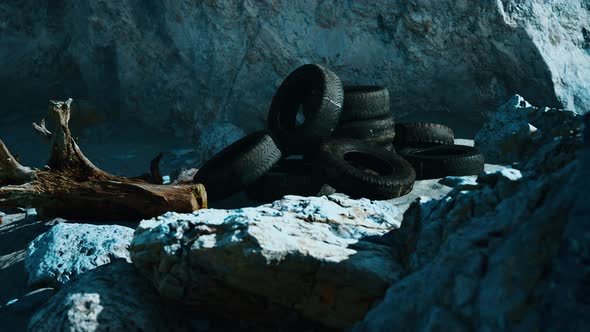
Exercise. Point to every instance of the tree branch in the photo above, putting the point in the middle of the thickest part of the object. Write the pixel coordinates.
(72, 187)
(18, 196)
(11, 171)
(155, 173)
(41, 129)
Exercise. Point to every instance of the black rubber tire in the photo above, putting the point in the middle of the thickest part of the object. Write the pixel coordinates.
(378, 131)
(288, 177)
(438, 161)
(424, 134)
(387, 177)
(319, 92)
(363, 102)
(238, 165)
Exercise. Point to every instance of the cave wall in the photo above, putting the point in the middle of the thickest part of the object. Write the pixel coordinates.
(183, 65)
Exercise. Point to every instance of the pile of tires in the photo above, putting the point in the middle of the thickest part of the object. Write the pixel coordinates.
(321, 138)
(366, 116)
(430, 148)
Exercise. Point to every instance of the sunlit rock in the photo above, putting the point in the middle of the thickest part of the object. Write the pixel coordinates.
(68, 250)
(318, 256)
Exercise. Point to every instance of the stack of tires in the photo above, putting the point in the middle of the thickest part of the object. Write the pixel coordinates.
(366, 116)
(320, 138)
(431, 149)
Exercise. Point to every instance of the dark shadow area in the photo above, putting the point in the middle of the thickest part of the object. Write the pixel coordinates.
(236, 201)
(129, 299)
(16, 232)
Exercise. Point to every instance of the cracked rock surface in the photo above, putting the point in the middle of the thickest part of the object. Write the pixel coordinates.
(317, 256)
(69, 250)
(508, 252)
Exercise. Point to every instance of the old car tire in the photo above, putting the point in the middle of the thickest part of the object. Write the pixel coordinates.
(362, 102)
(360, 170)
(317, 92)
(288, 177)
(422, 134)
(378, 131)
(438, 161)
(238, 165)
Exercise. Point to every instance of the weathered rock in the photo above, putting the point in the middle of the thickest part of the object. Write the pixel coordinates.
(568, 289)
(507, 254)
(112, 297)
(216, 138)
(316, 256)
(68, 250)
(199, 62)
(184, 176)
(518, 130)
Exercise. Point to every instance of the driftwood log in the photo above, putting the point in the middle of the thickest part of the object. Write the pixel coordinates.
(72, 187)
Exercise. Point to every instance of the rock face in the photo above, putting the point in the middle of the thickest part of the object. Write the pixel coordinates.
(206, 61)
(506, 253)
(316, 256)
(112, 297)
(68, 250)
(518, 130)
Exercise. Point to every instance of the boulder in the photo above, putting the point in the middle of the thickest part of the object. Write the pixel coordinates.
(317, 256)
(505, 254)
(518, 130)
(112, 297)
(68, 250)
(187, 63)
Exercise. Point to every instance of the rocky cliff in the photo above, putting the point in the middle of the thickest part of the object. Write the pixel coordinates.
(190, 63)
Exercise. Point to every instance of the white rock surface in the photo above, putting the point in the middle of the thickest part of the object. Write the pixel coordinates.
(112, 297)
(68, 250)
(317, 256)
(189, 63)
